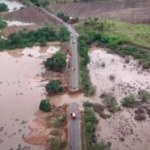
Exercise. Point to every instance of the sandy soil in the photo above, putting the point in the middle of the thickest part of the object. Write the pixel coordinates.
(20, 93)
(121, 130)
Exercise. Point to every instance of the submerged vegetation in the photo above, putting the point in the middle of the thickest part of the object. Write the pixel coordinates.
(29, 38)
(54, 87)
(57, 62)
(128, 100)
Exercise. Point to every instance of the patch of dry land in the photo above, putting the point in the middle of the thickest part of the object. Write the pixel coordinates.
(121, 130)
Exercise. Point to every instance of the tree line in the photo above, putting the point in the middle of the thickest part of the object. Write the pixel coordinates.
(92, 32)
(26, 38)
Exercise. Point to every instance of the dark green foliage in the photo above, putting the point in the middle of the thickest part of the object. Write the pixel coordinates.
(42, 41)
(92, 31)
(28, 39)
(54, 87)
(110, 102)
(64, 34)
(60, 121)
(63, 16)
(45, 105)
(3, 7)
(35, 2)
(128, 100)
(57, 62)
(86, 83)
(3, 24)
(57, 145)
(63, 144)
(144, 95)
(91, 121)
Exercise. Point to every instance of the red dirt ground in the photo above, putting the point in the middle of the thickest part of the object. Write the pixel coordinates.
(31, 15)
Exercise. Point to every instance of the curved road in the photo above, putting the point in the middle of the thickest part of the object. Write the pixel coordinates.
(74, 70)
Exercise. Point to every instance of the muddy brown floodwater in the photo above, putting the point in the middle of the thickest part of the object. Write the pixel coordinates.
(20, 93)
(122, 131)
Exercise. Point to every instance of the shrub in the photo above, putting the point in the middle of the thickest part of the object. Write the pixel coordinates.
(103, 64)
(63, 144)
(144, 95)
(101, 146)
(146, 65)
(55, 144)
(3, 24)
(45, 105)
(58, 122)
(110, 102)
(128, 100)
(57, 62)
(54, 87)
(112, 77)
(55, 132)
(127, 60)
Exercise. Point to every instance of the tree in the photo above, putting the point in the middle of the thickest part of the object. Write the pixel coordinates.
(45, 105)
(54, 87)
(64, 34)
(42, 41)
(60, 14)
(57, 62)
(15, 38)
(3, 7)
(3, 24)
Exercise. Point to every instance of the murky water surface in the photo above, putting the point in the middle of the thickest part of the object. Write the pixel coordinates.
(122, 131)
(20, 93)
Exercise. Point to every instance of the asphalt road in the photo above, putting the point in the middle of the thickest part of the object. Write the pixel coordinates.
(75, 129)
(74, 70)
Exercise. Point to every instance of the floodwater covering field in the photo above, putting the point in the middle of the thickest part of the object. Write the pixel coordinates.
(122, 131)
(20, 93)
(12, 5)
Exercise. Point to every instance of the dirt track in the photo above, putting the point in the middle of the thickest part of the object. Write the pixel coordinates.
(133, 11)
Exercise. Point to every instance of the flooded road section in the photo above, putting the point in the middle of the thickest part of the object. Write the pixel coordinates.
(20, 93)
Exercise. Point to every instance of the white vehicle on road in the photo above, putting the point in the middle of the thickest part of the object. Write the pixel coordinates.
(73, 115)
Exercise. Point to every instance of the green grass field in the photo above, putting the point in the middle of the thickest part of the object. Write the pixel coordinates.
(134, 33)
